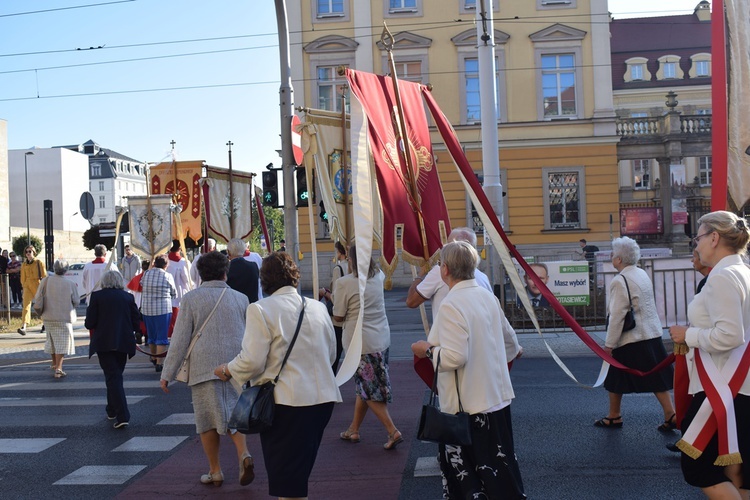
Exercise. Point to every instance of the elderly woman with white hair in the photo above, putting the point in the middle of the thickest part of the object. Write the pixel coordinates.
(60, 298)
(641, 347)
(112, 317)
(467, 349)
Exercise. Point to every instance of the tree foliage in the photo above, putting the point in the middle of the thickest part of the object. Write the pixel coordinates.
(275, 223)
(91, 238)
(20, 243)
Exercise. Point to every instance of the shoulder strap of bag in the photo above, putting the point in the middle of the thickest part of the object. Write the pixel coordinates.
(39, 269)
(433, 391)
(294, 339)
(628, 289)
(200, 331)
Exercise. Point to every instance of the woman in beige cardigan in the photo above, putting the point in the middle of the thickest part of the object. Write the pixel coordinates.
(640, 348)
(60, 301)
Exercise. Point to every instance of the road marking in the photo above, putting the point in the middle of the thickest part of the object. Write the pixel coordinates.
(151, 443)
(179, 419)
(8, 402)
(46, 386)
(28, 445)
(101, 474)
(427, 467)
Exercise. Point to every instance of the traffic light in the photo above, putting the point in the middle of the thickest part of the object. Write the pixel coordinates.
(271, 188)
(322, 212)
(302, 192)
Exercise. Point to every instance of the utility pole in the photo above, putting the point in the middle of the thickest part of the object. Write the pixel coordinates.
(286, 105)
(488, 98)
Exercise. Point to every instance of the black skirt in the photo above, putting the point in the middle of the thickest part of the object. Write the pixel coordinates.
(486, 469)
(702, 472)
(291, 445)
(643, 356)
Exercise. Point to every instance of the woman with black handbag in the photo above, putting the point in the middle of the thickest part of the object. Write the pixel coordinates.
(467, 349)
(634, 338)
(306, 389)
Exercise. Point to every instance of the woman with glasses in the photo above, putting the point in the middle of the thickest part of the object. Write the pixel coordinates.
(32, 273)
(716, 434)
(641, 347)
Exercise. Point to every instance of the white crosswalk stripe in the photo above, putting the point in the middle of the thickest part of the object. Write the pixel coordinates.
(70, 416)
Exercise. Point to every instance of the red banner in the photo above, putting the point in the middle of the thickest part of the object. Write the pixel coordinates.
(400, 209)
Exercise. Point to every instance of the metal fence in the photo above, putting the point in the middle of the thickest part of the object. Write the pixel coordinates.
(674, 281)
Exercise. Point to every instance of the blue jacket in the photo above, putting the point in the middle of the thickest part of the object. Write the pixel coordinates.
(112, 316)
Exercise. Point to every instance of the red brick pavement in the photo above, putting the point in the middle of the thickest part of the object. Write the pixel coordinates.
(342, 471)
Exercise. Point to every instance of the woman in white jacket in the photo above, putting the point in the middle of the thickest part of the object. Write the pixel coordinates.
(716, 434)
(640, 348)
(467, 338)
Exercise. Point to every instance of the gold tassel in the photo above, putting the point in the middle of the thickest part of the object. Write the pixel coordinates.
(730, 459)
(681, 349)
(688, 449)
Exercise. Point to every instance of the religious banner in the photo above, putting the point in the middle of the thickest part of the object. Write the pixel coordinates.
(323, 145)
(738, 130)
(679, 191)
(414, 211)
(181, 179)
(228, 216)
(150, 224)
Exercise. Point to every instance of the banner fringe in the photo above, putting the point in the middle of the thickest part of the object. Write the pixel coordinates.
(730, 459)
(688, 449)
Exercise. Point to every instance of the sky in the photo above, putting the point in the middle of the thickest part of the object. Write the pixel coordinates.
(153, 80)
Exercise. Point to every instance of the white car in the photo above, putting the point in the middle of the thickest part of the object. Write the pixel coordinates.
(75, 274)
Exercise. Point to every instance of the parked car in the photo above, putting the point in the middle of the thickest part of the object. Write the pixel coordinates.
(75, 274)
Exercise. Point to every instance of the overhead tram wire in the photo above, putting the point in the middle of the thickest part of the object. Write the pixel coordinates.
(65, 8)
(409, 26)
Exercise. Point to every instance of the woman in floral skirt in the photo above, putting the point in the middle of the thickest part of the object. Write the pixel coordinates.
(371, 380)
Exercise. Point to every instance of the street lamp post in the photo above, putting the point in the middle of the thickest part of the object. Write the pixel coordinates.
(26, 175)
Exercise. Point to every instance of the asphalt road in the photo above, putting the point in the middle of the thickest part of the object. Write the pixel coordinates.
(54, 436)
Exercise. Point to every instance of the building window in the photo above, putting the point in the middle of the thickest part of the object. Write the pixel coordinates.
(411, 71)
(330, 7)
(470, 4)
(636, 72)
(96, 170)
(558, 85)
(641, 174)
(330, 88)
(555, 4)
(102, 202)
(670, 70)
(471, 90)
(102, 220)
(401, 8)
(101, 185)
(703, 68)
(565, 192)
(704, 170)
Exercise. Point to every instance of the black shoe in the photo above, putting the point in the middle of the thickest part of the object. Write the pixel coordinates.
(43, 329)
(159, 368)
(22, 331)
(673, 447)
(120, 425)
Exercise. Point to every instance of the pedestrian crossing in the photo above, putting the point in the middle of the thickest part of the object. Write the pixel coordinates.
(61, 426)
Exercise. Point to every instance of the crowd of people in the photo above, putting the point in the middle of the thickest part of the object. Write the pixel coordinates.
(233, 318)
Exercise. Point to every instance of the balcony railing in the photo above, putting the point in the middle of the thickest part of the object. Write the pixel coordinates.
(658, 125)
(634, 127)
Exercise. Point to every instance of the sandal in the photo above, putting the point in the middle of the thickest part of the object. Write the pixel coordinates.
(60, 374)
(393, 440)
(350, 435)
(247, 469)
(668, 425)
(609, 423)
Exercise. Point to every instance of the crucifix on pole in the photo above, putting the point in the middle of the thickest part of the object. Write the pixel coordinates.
(231, 194)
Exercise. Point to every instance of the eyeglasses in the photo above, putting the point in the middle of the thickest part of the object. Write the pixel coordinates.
(698, 238)
(29, 251)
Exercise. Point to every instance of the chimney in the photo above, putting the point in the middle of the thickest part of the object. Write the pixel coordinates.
(703, 11)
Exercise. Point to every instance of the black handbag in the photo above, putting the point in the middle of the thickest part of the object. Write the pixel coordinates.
(629, 321)
(256, 406)
(445, 428)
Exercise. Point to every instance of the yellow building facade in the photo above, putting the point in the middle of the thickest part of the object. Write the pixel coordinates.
(556, 127)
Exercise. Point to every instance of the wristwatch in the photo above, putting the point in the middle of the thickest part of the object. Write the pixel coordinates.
(428, 352)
